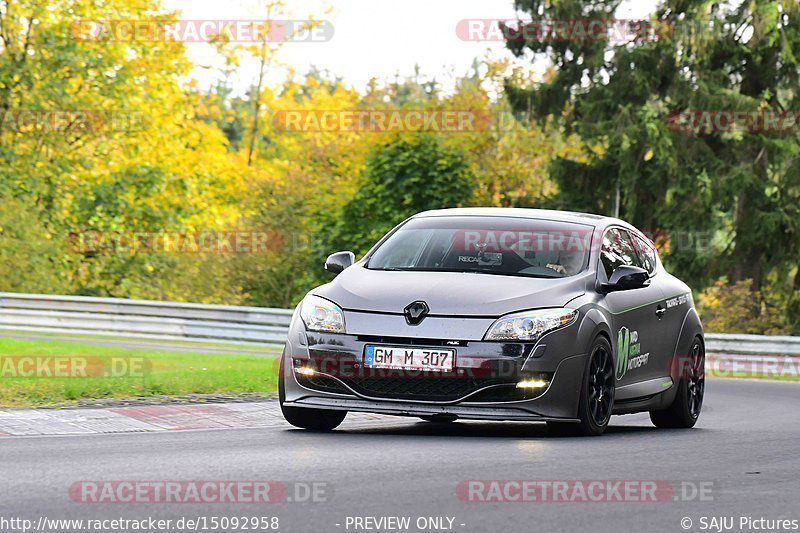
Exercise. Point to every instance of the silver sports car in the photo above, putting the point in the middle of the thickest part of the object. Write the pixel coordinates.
(498, 314)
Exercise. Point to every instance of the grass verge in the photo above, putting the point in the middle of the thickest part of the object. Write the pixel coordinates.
(38, 373)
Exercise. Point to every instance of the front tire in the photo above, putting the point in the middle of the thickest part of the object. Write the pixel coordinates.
(685, 408)
(307, 418)
(597, 393)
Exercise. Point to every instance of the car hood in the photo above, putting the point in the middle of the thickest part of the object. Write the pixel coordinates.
(447, 293)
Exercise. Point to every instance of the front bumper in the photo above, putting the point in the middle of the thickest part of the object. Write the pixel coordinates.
(399, 408)
(482, 387)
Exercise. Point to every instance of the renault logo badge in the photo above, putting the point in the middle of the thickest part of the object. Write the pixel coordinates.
(416, 312)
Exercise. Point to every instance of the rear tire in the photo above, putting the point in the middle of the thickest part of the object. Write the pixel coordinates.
(685, 408)
(307, 418)
(597, 394)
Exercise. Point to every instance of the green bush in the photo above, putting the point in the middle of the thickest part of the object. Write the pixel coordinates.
(736, 308)
(32, 258)
(403, 176)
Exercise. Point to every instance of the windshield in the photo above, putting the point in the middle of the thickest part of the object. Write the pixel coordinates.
(490, 245)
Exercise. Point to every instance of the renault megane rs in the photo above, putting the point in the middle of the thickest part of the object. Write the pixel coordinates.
(498, 314)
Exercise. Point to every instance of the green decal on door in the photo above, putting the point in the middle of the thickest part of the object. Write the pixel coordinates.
(629, 352)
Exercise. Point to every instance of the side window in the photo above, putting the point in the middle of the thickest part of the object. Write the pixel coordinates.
(617, 250)
(646, 252)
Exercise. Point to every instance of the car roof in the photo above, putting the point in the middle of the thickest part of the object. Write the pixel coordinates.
(598, 221)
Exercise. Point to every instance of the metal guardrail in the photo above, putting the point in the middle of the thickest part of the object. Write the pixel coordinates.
(143, 319)
(224, 323)
(756, 345)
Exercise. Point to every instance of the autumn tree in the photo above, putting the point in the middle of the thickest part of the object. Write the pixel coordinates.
(621, 96)
(406, 175)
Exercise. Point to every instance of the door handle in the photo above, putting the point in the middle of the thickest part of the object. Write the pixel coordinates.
(660, 311)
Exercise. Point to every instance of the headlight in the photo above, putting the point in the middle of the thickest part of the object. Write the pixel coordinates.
(320, 314)
(530, 325)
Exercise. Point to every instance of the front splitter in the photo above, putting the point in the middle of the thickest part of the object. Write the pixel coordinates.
(499, 412)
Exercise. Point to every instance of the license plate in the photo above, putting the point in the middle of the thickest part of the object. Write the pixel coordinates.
(400, 358)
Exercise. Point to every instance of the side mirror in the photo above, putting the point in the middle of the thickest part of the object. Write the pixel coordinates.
(337, 262)
(625, 278)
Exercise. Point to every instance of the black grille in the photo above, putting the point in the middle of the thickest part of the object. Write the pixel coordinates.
(432, 389)
(418, 388)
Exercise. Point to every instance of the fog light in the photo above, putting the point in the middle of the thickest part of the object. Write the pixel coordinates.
(532, 384)
(305, 371)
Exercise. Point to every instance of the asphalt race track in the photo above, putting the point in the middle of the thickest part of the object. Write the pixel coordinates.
(745, 447)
